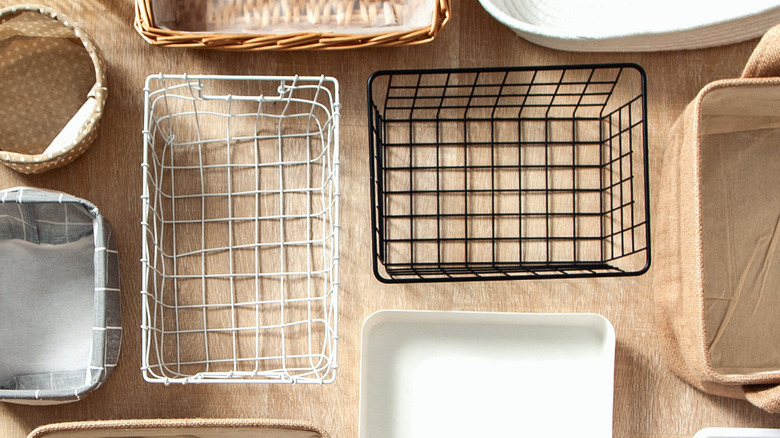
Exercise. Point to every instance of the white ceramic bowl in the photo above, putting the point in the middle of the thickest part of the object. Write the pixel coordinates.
(629, 26)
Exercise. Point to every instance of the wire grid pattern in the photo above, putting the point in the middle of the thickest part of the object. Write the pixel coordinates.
(509, 173)
(240, 249)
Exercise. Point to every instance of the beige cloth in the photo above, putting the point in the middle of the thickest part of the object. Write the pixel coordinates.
(717, 236)
(52, 89)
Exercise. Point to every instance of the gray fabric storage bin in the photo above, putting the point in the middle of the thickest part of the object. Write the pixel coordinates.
(60, 320)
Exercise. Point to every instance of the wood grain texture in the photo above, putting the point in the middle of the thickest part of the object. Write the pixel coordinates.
(649, 400)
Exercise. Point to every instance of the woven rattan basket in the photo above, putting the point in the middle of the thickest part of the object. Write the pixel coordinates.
(251, 25)
(52, 90)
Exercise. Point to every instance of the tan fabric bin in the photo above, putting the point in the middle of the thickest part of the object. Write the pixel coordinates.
(717, 231)
(194, 428)
(52, 89)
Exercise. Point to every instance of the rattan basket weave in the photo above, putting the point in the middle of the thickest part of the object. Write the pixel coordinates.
(314, 38)
(53, 89)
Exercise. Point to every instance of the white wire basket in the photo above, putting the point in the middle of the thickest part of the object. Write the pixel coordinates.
(240, 229)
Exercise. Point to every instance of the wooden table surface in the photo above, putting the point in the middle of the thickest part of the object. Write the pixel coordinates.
(649, 400)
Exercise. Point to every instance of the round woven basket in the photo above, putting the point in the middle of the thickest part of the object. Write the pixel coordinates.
(632, 25)
(52, 89)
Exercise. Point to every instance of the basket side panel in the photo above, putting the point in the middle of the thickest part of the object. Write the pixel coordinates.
(624, 182)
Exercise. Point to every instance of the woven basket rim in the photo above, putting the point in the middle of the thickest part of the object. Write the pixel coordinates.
(145, 26)
(34, 163)
(195, 423)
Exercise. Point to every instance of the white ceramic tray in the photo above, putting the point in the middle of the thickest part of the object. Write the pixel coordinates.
(727, 432)
(455, 374)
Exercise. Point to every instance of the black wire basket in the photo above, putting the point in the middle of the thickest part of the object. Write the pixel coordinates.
(509, 173)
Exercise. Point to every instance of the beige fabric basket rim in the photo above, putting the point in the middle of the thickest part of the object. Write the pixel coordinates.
(769, 377)
(195, 423)
(35, 163)
(144, 24)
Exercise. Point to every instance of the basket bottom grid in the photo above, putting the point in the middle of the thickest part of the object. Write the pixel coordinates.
(243, 327)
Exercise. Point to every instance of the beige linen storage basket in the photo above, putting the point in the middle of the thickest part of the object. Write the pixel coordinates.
(52, 89)
(718, 229)
(195, 428)
(252, 25)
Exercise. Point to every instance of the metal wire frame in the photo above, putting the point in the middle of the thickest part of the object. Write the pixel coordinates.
(240, 229)
(450, 148)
